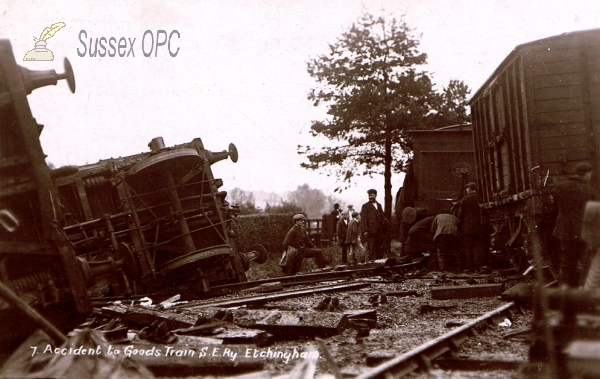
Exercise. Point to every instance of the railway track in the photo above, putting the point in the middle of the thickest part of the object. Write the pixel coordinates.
(411, 334)
(384, 267)
(422, 356)
(409, 326)
(260, 299)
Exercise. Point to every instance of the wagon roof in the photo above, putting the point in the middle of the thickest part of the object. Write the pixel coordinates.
(466, 127)
(520, 47)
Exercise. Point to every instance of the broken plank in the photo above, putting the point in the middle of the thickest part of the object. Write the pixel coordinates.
(145, 316)
(465, 292)
(362, 318)
(197, 341)
(207, 328)
(286, 324)
(244, 336)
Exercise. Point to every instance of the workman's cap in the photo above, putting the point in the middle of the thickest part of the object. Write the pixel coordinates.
(355, 214)
(345, 212)
(299, 217)
(471, 185)
(372, 191)
(583, 168)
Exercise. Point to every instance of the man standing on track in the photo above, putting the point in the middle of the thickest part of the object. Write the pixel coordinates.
(469, 221)
(342, 230)
(373, 226)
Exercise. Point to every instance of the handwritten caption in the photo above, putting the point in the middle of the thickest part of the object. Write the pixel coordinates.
(204, 352)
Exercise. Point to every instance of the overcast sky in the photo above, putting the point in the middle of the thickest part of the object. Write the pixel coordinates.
(240, 72)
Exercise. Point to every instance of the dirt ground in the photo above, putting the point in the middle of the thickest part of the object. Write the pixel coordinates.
(401, 326)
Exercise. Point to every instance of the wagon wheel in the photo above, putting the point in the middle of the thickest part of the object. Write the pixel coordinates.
(548, 249)
(130, 268)
(553, 257)
(518, 259)
(261, 253)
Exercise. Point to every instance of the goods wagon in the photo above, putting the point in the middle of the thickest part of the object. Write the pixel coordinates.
(443, 163)
(534, 119)
(153, 222)
(38, 265)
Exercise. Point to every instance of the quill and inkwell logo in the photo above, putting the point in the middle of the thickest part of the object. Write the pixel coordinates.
(40, 52)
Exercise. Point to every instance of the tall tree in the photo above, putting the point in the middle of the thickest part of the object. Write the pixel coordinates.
(451, 106)
(312, 200)
(374, 90)
(245, 200)
(284, 206)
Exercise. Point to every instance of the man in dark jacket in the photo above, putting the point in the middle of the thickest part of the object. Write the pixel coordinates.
(334, 218)
(445, 240)
(373, 226)
(469, 221)
(420, 239)
(297, 246)
(571, 198)
(342, 230)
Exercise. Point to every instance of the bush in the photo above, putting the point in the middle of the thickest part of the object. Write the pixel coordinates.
(268, 230)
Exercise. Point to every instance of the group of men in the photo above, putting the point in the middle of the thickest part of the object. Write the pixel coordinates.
(352, 229)
(451, 239)
(347, 234)
(447, 235)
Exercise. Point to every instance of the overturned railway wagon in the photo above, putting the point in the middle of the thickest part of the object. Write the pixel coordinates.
(37, 262)
(153, 222)
(534, 119)
(147, 223)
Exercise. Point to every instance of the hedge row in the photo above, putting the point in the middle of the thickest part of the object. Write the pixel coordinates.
(268, 230)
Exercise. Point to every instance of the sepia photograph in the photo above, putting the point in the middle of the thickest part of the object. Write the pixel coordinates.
(300, 189)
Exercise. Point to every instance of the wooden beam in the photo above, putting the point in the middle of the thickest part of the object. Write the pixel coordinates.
(465, 292)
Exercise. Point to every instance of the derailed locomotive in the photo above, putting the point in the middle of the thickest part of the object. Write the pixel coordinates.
(147, 223)
(534, 119)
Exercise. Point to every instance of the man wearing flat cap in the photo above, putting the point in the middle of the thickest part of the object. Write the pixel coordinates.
(571, 197)
(297, 246)
(373, 226)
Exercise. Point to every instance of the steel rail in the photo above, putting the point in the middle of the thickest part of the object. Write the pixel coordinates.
(276, 296)
(367, 270)
(284, 280)
(425, 353)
